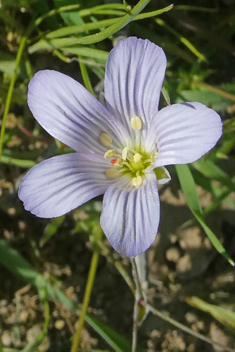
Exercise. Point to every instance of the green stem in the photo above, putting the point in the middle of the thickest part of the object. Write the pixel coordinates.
(13, 80)
(85, 76)
(122, 22)
(54, 12)
(140, 312)
(183, 40)
(66, 31)
(138, 292)
(61, 56)
(86, 299)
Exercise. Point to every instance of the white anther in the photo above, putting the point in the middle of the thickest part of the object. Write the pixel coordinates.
(109, 154)
(137, 181)
(105, 139)
(124, 153)
(137, 157)
(136, 123)
(112, 173)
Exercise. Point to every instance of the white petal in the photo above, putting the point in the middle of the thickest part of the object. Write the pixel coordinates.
(70, 113)
(184, 132)
(130, 216)
(62, 183)
(135, 71)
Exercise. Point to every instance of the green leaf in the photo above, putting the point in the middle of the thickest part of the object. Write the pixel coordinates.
(71, 17)
(51, 229)
(95, 38)
(67, 31)
(211, 99)
(118, 343)
(87, 52)
(69, 45)
(99, 8)
(70, 30)
(17, 162)
(224, 316)
(85, 77)
(45, 43)
(189, 189)
(209, 169)
(122, 22)
(209, 186)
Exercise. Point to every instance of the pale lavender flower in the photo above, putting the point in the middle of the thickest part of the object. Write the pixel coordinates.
(117, 146)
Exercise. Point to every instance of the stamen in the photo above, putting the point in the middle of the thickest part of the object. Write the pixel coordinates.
(109, 154)
(105, 139)
(124, 153)
(137, 157)
(137, 181)
(112, 173)
(136, 123)
(116, 162)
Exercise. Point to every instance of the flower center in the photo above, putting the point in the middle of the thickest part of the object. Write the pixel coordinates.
(131, 160)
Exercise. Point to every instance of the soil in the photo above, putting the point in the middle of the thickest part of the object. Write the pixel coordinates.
(182, 263)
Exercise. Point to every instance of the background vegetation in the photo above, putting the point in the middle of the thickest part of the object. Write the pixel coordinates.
(47, 267)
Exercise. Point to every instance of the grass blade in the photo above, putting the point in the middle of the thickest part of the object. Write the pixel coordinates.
(224, 316)
(189, 189)
(209, 169)
(122, 22)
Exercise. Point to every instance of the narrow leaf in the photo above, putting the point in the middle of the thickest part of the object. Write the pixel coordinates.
(224, 316)
(209, 169)
(189, 189)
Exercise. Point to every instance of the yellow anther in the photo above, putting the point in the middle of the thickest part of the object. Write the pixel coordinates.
(105, 139)
(136, 123)
(137, 157)
(124, 153)
(109, 153)
(137, 181)
(112, 173)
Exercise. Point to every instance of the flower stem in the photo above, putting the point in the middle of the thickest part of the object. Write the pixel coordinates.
(88, 290)
(140, 305)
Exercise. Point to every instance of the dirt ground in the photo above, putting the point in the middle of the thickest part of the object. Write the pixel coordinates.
(182, 263)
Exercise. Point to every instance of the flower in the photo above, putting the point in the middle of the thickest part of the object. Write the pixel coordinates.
(117, 146)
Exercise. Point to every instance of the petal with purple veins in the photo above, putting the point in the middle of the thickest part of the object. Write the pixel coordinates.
(70, 113)
(184, 132)
(62, 183)
(130, 216)
(135, 71)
